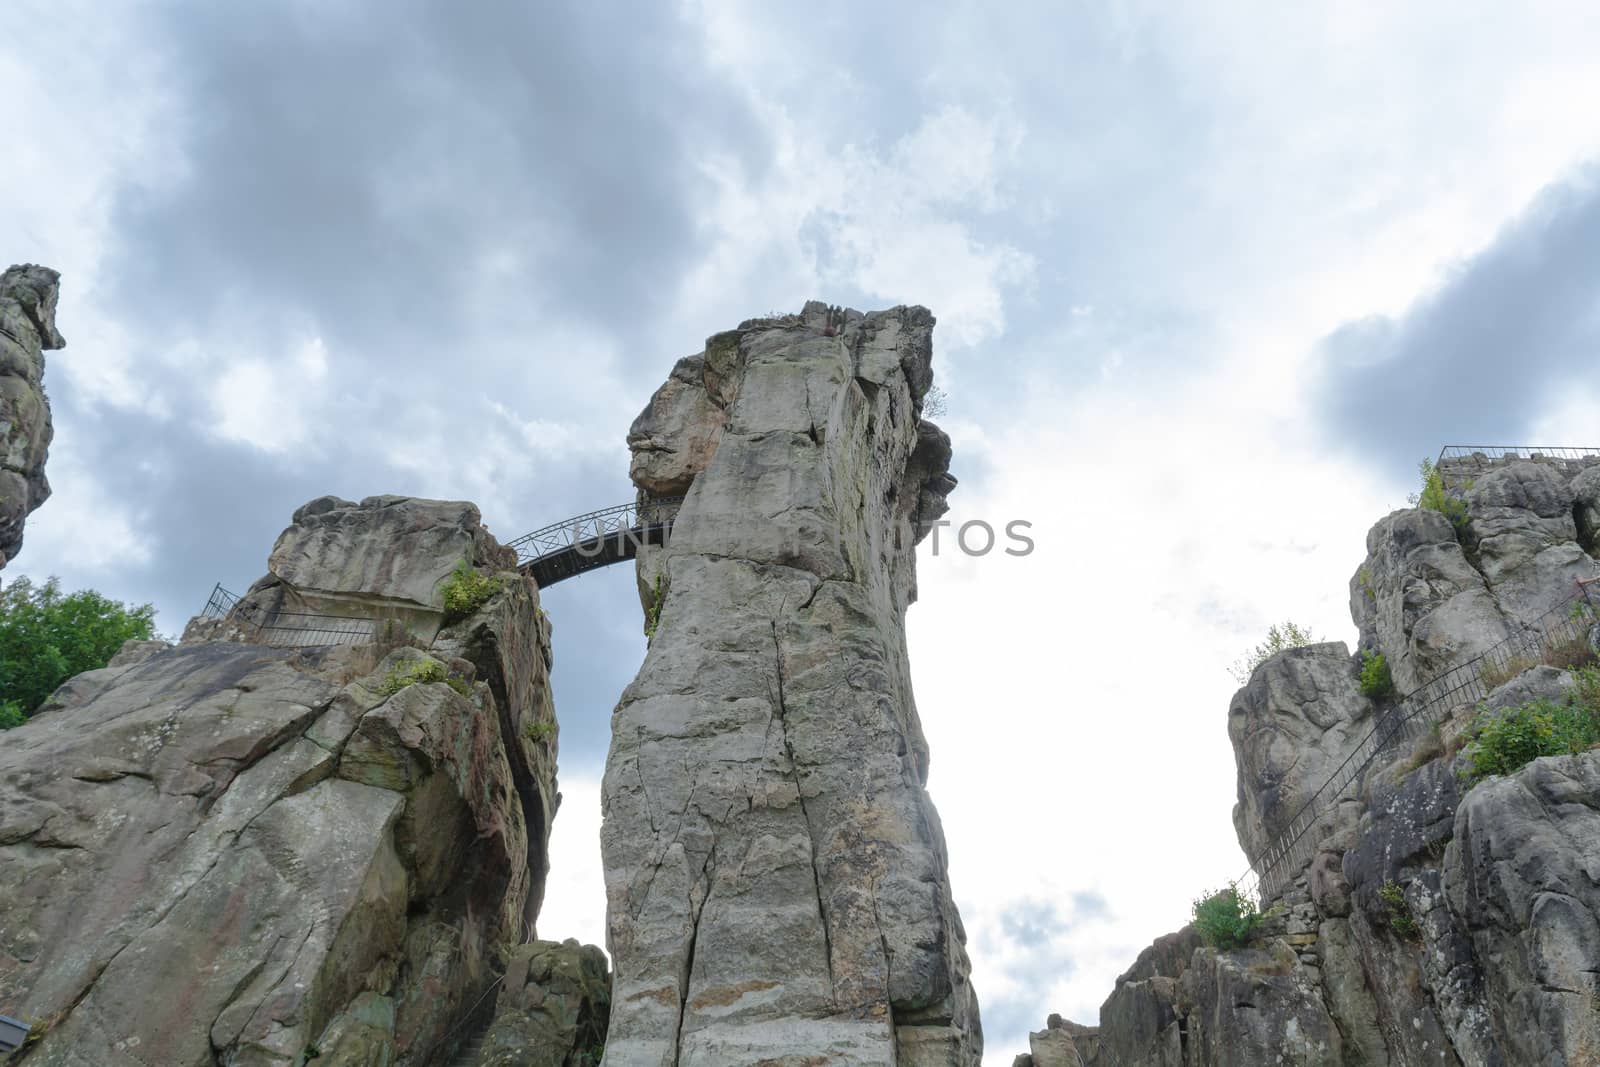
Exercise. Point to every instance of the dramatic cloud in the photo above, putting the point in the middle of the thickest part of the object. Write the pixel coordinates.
(1192, 322)
(1507, 335)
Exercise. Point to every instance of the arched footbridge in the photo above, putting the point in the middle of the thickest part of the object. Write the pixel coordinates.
(548, 555)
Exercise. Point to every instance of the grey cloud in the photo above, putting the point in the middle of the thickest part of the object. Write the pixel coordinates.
(368, 167)
(1480, 359)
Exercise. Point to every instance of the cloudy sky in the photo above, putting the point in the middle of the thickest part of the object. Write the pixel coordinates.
(1209, 282)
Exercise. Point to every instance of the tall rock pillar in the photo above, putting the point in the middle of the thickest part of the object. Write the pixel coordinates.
(27, 327)
(776, 877)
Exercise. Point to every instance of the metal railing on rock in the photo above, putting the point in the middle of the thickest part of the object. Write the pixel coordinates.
(1572, 620)
(547, 555)
(290, 629)
(1458, 464)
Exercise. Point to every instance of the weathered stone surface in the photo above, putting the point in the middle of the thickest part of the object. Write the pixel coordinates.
(393, 552)
(1054, 1047)
(295, 850)
(1586, 509)
(1523, 873)
(1139, 1020)
(553, 1008)
(28, 296)
(775, 871)
(1419, 600)
(1291, 726)
(1521, 518)
(1254, 1008)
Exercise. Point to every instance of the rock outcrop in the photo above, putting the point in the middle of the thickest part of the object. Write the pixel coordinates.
(222, 852)
(553, 1008)
(27, 328)
(775, 870)
(1433, 921)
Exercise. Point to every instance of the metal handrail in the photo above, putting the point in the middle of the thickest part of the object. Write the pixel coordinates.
(618, 520)
(1270, 869)
(1497, 452)
(579, 533)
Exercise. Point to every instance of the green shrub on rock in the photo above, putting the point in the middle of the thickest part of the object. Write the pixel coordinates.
(1434, 498)
(418, 672)
(1279, 638)
(1376, 681)
(1398, 910)
(1502, 742)
(1226, 919)
(467, 590)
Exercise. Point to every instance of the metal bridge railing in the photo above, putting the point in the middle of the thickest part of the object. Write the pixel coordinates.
(581, 534)
(1490, 453)
(292, 629)
(619, 521)
(1468, 682)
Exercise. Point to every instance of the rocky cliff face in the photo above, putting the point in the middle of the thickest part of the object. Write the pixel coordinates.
(775, 871)
(223, 852)
(1430, 922)
(27, 327)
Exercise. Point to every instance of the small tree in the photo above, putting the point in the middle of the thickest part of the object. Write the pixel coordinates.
(1434, 498)
(1226, 918)
(1279, 638)
(47, 637)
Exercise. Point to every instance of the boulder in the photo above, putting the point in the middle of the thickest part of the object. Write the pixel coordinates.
(552, 1010)
(1292, 725)
(775, 870)
(28, 295)
(1419, 600)
(1521, 521)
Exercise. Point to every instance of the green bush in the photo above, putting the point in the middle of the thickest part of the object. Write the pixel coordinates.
(652, 617)
(467, 590)
(537, 731)
(1376, 681)
(1226, 918)
(1434, 498)
(47, 637)
(1504, 741)
(1398, 909)
(1289, 635)
(421, 671)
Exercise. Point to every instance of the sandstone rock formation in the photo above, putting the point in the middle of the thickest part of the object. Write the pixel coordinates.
(1433, 922)
(27, 327)
(775, 871)
(222, 852)
(553, 1008)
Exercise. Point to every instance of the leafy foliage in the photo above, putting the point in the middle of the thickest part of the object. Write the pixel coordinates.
(421, 671)
(935, 403)
(47, 636)
(1376, 681)
(1226, 918)
(1279, 638)
(1504, 741)
(1398, 909)
(467, 590)
(537, 731)
(652, 617)
(1434, 498)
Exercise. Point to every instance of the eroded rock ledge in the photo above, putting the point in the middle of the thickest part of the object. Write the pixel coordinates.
(775, 870)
